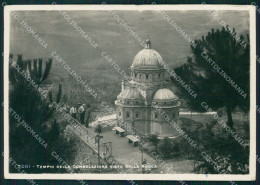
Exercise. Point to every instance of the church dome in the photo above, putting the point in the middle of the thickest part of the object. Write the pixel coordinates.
(130, 93)
(147, 58)
(164, 94)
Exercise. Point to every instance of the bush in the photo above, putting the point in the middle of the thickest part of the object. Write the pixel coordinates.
(166, 147)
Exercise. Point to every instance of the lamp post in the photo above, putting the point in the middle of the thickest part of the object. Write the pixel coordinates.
(142, 159)
(141, 149)
(98, 140)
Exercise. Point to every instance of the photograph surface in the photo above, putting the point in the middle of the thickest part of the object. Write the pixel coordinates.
(151, 92)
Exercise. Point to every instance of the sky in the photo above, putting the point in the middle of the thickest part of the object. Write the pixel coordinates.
(62, 38)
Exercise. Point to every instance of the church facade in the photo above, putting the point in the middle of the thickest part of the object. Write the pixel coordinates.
(135, 105)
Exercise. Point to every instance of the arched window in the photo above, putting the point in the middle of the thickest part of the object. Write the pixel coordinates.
(137, 114)
(156, 76)
(127, 115)
(147, 76)
(155, 115)
(150, 76)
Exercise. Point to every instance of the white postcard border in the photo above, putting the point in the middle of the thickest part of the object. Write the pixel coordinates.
(199, 177)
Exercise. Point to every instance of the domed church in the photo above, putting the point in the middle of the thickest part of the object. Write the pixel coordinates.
(146, 88)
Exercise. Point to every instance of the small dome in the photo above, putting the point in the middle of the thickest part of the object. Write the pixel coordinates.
(148, 59)
(130, 93)
(164, 94)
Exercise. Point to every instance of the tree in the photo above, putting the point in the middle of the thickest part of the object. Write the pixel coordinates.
(214, 147)
(176, 148)
(27, 100)
(48, 106)
(218, 72)
(58, 141)
(166, 146)
(34, 70)
(186, 149)
(26, 95)
(216, 54)
(98, 129)
(153, 138)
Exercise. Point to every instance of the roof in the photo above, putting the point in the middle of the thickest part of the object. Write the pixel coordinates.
(164, 94)
(130, 93)
(147, 59)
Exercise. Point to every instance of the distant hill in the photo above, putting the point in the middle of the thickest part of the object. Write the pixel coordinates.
(112, 38)
(69, 44)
